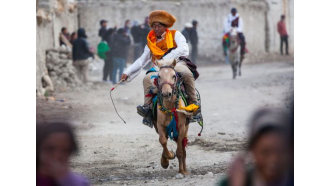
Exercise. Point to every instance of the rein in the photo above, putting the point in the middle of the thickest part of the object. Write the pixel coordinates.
(174, 87)
(238, 44)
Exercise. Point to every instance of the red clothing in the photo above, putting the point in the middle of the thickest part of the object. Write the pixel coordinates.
(281, 28)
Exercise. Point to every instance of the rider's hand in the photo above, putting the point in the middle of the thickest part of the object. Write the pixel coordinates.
(124, 77)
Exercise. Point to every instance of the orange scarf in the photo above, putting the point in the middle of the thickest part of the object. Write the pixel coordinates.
(152, 40)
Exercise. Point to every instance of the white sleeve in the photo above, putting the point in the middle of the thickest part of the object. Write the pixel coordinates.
(139, 63)
(182, 48)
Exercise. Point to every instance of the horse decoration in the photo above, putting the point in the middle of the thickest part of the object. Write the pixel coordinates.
(171, 114)
(234, 53)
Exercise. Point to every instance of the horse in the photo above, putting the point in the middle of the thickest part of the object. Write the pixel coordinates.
(234, 53)
(169, 100)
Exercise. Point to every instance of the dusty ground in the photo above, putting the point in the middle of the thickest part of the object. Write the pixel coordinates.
(112, 153)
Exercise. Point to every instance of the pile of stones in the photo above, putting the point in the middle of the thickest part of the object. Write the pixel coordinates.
(60, 68)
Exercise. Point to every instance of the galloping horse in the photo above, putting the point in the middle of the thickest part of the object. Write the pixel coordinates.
(234, 53)
(170, 121)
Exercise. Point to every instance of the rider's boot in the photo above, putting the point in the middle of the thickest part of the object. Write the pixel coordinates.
(145, 112)
(193, 97)
(197, 116)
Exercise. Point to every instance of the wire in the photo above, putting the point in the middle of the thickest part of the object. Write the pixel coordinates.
(113, 103)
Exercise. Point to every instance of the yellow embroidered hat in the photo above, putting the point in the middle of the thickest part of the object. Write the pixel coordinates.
(161, 16)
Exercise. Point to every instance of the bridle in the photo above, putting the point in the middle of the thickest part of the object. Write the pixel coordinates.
(174, 92)
(172, 85)
(238, 43)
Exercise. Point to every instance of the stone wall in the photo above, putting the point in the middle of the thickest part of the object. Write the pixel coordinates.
(51, 16)
(259, 16)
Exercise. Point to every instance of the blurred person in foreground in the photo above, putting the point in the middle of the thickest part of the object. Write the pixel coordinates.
(281, 29)
(121, 42)
(81, 54)
(194, 42)
(267, 161)
(56, 143)
(166, 44)
(233, 20)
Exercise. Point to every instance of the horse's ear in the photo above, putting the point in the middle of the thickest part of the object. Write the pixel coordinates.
(173, 63)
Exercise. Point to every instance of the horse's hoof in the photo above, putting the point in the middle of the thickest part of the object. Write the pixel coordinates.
(164, 162)
(179, 175)
(172, 155)
(185, 173)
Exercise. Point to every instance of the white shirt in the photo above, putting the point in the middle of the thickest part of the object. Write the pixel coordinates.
(229, 19)
(182, 49)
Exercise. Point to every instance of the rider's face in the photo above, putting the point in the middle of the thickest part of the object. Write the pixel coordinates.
(158, 28)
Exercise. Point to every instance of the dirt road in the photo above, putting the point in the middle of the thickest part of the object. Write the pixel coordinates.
(112, 153)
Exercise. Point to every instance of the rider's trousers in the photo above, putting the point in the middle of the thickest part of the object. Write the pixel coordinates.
(188, 79)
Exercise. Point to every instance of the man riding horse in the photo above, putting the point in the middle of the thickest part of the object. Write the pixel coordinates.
(233, 20)
(166, 44)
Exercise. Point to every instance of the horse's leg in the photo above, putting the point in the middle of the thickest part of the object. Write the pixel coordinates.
(233, 66)
(166, 155)
(239, 66)
(184, 151)
(179, 150)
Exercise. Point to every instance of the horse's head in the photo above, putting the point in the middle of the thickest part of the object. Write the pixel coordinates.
(167, 77)
(233, 37)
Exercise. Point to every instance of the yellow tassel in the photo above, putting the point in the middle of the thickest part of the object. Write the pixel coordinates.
(189, 108)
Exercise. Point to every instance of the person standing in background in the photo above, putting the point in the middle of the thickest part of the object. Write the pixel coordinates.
(194, 42)
(281, 28)
(187, 31)
(65, 37)
(81, 54)
(103, 29)
(73, 37)
(145, 31)
(136, 32)
(107, 70)
(127, 27)
(121, 42)
(103, 35)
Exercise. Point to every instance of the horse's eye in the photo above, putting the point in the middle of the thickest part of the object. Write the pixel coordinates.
(158, 77)
(174, 77)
